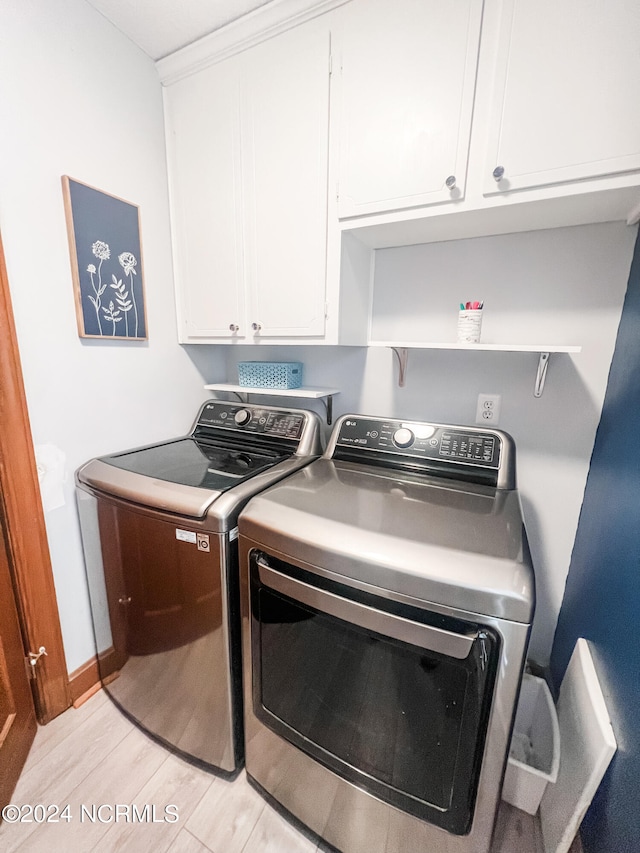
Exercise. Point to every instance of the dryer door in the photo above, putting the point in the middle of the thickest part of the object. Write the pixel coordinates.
(391, 697)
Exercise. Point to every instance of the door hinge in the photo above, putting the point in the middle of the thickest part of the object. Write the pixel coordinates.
(326, 310)
(32, 659)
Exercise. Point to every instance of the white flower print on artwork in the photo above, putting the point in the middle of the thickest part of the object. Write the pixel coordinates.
(122, 298)
(128, 263)
(124, 301)
(100, 250)
(112, 313)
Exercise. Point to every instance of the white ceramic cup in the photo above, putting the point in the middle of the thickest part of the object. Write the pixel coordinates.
(469, 326)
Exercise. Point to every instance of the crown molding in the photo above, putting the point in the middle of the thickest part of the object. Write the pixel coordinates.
(261, 24)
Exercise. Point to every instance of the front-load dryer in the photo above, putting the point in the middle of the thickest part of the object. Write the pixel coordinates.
(387, 597)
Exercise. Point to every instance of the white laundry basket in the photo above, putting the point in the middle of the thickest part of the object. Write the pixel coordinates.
(534, 756)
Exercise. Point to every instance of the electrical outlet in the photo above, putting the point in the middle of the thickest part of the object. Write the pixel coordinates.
(488, 409)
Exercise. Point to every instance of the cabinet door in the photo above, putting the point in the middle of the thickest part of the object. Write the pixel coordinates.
(567, 86)
(203, 124)
(285, 156)
(408, 75)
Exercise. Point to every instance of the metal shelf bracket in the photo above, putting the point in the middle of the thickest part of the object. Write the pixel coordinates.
(541, 375)
(402, 354)
(328, 405)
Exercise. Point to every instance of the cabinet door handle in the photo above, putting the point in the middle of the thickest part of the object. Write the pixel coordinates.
(498, 173)
(451, 182)
(256, 326)
(233, 327)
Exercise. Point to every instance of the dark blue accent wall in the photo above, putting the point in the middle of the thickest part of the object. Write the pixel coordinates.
(602, 597)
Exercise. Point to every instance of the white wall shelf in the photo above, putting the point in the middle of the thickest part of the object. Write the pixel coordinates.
(306, 392)
(401, 350)
(480, 347)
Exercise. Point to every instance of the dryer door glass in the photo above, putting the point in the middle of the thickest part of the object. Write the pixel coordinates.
(401, 720)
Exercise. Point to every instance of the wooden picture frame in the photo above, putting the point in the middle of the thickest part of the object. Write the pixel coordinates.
(106, 263)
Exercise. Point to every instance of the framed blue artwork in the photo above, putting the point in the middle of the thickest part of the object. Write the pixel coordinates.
(106, 263)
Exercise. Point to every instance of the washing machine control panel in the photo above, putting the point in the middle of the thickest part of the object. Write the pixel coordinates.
(255, 420)
(415, 440)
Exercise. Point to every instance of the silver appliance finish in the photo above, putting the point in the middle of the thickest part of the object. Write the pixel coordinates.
(410, 524)
(161, 559)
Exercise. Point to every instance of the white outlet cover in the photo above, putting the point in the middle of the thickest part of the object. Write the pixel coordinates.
(488, 409)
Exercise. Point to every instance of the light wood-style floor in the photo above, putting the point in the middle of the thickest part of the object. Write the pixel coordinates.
(93, 756)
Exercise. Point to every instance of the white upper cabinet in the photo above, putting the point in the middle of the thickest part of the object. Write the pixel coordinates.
(203, 139)
(408, 71)
(566, 92)
(248, 161)
(285, 152)
(295, 148)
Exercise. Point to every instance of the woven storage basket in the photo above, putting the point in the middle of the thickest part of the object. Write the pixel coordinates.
(270, 374)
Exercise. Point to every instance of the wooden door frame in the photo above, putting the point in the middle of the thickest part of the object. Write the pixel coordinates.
(25, 528)
(17, 713)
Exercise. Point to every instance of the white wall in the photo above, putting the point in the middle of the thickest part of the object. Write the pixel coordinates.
(78, 98)
(563, 286)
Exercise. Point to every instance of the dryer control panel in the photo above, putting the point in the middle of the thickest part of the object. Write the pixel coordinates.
(443, 450)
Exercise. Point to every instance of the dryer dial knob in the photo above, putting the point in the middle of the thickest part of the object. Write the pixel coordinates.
(403, 437)
(242, 417)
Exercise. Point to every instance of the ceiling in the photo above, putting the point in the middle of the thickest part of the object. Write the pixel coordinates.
(161, 27)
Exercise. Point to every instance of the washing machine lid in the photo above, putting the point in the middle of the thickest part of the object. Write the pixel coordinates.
(460, 545)
(187, 477)
(233, 451)
(213, 465)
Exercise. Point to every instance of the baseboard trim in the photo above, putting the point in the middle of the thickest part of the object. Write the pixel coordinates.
(85, 680)
(86, 695)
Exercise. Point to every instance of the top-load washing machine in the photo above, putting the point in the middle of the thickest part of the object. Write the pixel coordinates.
(159, 530)
(387, 594)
